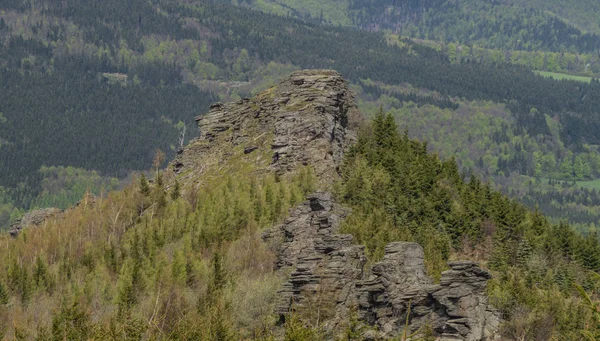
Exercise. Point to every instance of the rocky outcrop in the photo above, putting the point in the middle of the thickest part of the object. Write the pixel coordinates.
(455, 309)
(325, 265)
(327, 269)
(302, 121)
(32, 218)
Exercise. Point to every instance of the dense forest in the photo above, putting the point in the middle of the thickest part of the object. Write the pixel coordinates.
(520, 25)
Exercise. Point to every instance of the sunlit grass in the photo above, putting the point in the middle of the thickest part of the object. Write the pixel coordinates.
(560, 76)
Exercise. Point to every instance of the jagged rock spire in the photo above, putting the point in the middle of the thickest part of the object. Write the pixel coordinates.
(305, 120)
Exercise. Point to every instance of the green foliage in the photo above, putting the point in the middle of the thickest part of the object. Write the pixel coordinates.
(146, 272)
(532, 25)
(72, 322)
(85, 47)
(295, 330)
(20, 282)
(176, 191)
(485, 139)
(592, 331)
(400, 192)
(144, 188)
(4, 296)
(62, 187)
(41, 275)
(354, 330)
(8, 210)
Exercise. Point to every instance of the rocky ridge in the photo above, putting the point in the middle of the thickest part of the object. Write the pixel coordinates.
(327, 269)
(307, 120)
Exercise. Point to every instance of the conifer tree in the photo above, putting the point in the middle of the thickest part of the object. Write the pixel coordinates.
(176, 191)
(40, 273)
(144, 187)
(71, 323)
(4, 297)
(190, 273)
(160, 197)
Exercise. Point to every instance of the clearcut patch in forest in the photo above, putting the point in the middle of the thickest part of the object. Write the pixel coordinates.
(592, 184)
(560, 76)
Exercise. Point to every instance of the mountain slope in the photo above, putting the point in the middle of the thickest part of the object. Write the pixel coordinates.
(182, 257)
(522, 25)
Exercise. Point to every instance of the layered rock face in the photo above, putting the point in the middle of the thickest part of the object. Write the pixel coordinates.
(455, 309)
(325, 265)
(304, 120)
(327, 269)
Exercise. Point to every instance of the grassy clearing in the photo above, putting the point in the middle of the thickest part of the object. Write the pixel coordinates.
(560, 76)
(593, 184)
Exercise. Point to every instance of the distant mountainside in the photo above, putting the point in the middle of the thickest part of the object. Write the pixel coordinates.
(563, 26)
(580, 13)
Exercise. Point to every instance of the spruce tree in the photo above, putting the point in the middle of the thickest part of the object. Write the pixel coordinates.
(40, 273)
(144, 187)
(4, 297)
(71, 323)
(176, 191)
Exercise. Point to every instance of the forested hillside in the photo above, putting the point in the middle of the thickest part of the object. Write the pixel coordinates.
(522, 25)
(184, 260)
(91, 92)
(108, 84)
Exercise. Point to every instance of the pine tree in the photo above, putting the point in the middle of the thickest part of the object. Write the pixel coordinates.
(176, 191)
(40, 273)
(385, 130)
(144, 187)
(160, 197)
(190, 273)
(71, 323)
(178, 267)
(128, 287)
(295, 330)
(219, 275)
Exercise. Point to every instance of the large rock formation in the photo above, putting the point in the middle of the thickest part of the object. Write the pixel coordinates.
(455, 309)
(325, 265)
(327, 270)
(304, 120)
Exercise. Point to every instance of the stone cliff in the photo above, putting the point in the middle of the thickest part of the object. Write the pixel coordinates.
(32, 218)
